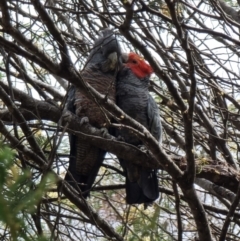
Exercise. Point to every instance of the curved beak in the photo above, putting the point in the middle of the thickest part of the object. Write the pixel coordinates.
(124, 57)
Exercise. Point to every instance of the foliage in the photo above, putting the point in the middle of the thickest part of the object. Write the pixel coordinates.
(19, 198)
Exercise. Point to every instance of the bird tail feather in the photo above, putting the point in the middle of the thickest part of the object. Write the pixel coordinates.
(85, 162)
(141, 190)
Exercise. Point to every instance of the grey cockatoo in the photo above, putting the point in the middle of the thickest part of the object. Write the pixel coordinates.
(100, 72)
(133, 98)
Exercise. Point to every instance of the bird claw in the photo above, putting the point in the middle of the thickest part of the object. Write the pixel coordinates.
(66, 115)
(104, 131)
(84, 120)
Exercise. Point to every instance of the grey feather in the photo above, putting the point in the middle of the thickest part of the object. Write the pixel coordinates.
(133, 98)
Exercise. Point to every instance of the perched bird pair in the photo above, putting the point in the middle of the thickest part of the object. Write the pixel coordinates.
(124, 78)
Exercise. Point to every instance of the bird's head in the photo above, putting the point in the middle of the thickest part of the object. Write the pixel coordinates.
(137, 64)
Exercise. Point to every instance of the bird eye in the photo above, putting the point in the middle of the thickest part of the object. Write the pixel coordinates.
(134, 61)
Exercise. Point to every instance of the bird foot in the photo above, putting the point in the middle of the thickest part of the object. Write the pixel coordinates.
(84, 120)
(66, 116)
(104, 131)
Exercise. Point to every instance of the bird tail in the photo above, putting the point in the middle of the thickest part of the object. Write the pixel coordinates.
(85, 162)
(144, 189)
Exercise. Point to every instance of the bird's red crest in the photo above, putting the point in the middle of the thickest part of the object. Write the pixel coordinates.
(138, 65)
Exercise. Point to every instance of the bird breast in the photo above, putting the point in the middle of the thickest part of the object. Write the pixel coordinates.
(85, 106)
